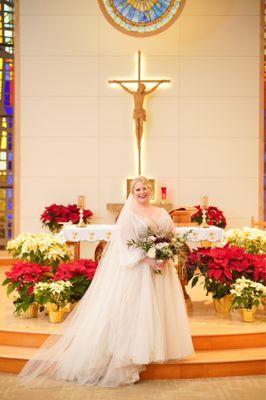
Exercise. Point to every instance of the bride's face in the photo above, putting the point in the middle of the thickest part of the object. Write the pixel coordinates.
(141, 193)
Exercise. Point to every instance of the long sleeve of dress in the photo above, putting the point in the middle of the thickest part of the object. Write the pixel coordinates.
(126, 230)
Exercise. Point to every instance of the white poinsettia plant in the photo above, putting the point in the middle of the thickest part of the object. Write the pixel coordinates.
(55, 294)
(247, 293)
(253, 240)
(41, 248)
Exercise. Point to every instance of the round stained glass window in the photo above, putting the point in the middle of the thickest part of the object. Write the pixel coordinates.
(141, 17)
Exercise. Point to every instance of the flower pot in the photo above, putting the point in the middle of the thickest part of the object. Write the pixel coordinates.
(224, 304)
(56, 316)
(67, 308)
(248, 315)
(56, 229)
(263, 302)
(50, 307)
(32, 311)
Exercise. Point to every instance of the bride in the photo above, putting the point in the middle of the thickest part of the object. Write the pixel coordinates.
(129, 316)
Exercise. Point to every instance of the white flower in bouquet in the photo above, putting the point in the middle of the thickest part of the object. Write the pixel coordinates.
(152, 238)
(161, 245)
(152, 252)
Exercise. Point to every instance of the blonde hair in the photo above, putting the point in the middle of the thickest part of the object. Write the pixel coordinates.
(141, 179)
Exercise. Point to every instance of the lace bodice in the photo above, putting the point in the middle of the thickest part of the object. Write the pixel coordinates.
(163, 223)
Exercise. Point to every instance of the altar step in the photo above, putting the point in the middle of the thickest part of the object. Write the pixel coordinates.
(201, 342)
(5, 259)
(211, 364)
(204, 364)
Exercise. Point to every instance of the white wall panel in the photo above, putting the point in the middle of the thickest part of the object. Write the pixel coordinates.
(77, 132)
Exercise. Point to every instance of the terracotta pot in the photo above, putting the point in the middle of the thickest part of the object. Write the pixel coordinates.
(224, 304)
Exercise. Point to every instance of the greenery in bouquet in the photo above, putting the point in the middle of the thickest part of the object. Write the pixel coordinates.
(21, 279)
(41, 248)
(247, 293)
(160, 246)
(80, 273)
(251, 239)
(56, 214)
(222, 266)
(214, 216)
(55, 295)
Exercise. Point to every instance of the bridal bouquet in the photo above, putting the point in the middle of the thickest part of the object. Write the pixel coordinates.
(160, 247)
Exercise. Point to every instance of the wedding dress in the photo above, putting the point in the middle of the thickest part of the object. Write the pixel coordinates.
(129, 317)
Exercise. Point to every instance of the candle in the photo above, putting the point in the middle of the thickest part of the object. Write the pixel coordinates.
(81, 202)
(204, 201)
(163, 192)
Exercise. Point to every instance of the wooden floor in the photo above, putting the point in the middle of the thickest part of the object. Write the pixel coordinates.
(224, 345)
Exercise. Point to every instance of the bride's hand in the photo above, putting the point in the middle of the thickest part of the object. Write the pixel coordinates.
(154, 263)
(150, 261)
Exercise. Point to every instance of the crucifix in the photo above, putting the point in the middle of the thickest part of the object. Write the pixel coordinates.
(139, 113)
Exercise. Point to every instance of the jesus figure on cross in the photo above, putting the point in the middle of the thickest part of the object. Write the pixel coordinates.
(139, 113)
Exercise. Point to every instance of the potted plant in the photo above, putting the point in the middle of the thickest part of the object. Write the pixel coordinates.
(54, 296)
(21, 280)
(80, 273)
(41, 248)
(252, 240)
(56, 214)
(220, 268)
(247, 295)
(214, 216)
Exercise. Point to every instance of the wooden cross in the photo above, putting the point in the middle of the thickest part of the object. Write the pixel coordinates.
(139, 113)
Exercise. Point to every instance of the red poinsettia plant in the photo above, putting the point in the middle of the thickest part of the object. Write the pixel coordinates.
(221, 266)
(56, 214)
(214, 216)
(21, 279)
(80, 273)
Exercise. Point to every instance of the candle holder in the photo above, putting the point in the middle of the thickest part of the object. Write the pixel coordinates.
(81, 206)
(81, 223)
(163, 194)
(204, 223)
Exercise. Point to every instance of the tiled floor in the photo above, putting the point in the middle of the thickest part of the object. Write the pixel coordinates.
(233, 388)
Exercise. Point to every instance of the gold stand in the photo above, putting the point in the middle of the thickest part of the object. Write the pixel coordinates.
(204, 223)
(81, 223)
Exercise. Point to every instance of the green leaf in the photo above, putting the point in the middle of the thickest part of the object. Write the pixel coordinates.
(6, 281)
(194, 281)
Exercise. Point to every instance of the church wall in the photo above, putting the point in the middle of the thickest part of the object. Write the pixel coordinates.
(77, 132)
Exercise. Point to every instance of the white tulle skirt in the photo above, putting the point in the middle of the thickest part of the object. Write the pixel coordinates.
(128, 318)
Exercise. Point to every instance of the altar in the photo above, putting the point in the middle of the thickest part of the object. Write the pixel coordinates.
(197, 236)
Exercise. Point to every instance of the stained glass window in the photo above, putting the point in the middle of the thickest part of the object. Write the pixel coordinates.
(6, 119)
(141, 17)
(264, 105)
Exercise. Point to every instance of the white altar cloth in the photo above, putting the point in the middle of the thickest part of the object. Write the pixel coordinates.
(96, 232)
(90, 233)
(212, 234)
